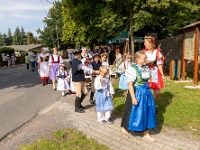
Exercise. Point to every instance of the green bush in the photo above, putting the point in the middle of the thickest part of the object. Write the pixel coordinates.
(7, 50)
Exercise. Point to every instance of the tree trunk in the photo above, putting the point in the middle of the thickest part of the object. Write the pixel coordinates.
(131, 31)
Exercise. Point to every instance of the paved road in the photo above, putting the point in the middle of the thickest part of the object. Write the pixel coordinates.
(21, 97)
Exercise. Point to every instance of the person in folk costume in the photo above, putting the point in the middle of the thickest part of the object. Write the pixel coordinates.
(70, 57)
(78, 79)
(72, 88)
(13, 59)
(139, 111)
(43, 62)
(63, 79)
(125, 64)
(155, 62)
(8, 60)
(104, 58)
(32, 58)
(84, 54)
(118, 61)
(88, 64)
(96, 64)
(54, 61)
(103, 96)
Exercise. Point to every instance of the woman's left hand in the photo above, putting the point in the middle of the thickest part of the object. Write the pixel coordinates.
(163, 78)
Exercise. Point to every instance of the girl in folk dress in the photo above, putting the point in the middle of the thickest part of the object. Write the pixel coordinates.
(63, 80)
(54, 62)
(103, 96)
(117, 62)
(43, 61)
(155, 62)
(125, 64)
(139, 111)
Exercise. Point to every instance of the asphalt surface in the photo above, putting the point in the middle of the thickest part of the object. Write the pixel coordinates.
(21, 97)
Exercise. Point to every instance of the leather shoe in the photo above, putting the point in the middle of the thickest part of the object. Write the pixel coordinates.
(92, 101)
(81, 107)
(79, 110)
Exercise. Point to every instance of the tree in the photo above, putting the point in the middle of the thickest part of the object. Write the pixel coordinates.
(23, 37)
(17, 40)
(89, 22)
(9, 37)
(51, 35)
(1, 39)
(110, 16)
(30, 38)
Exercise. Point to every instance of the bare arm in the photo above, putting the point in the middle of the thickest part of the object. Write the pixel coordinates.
(160, 68)
(132, 93)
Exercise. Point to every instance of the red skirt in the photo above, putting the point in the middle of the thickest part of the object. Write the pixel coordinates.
(155, 82)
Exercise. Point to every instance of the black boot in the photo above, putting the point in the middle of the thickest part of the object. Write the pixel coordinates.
(77, 105)
(82, 98)
(91, 98)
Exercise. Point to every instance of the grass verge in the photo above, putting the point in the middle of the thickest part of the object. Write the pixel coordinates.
(177, 106)
(68, 139)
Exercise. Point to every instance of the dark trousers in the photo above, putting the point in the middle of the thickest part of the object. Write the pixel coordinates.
(27, 66)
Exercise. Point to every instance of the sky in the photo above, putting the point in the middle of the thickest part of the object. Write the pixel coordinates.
(26, 13)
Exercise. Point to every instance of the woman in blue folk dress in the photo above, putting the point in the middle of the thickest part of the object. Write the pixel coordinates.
(139, 113)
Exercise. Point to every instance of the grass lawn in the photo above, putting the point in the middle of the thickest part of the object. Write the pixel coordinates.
(177, 107)
(68, 139)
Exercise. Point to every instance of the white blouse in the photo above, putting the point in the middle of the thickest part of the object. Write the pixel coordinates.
(106, 85)
(55, 59)
(42, 56)
(151, 57)
(122, 66)
(130, 73)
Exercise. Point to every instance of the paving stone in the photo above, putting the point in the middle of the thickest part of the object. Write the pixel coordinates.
(106, 139)
(116, 138)
(167, 147)
(177, 146)
(115, 143)
(124, 147)
(171, 144)
(193, 146)
(137, 147)
(126, 142)
(158, 144)
(148, 145)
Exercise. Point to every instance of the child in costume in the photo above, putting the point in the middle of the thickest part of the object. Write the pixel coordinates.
(62, 79)
(139, 111)
(103, 96)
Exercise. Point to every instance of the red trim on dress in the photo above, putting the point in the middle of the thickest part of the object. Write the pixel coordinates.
(160, 84)
(55, 61)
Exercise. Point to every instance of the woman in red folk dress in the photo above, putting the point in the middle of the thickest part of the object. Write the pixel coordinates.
(155, 62)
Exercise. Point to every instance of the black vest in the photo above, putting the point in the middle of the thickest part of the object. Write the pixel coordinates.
(77, 75)
(95, 65)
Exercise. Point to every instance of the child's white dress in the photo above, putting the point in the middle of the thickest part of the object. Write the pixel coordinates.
(62, 84)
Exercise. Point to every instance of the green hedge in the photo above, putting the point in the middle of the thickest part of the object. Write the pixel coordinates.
(7, 50)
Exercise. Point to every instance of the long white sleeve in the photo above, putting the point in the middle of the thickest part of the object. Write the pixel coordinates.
(84, 68)
(130, 74)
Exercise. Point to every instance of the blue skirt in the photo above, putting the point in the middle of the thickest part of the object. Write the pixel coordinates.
(103, 103)
(143, 115)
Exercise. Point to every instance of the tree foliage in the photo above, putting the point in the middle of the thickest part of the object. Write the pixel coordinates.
(52, 33)
(30, 38)
(92, 22)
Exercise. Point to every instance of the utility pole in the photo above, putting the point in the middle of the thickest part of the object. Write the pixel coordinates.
(58, 44)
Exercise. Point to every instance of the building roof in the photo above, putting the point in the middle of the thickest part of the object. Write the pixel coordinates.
(26, 47)
(191, 25)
